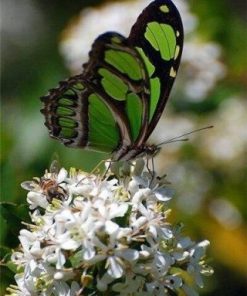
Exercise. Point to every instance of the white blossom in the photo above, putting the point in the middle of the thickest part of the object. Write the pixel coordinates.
(104, 233)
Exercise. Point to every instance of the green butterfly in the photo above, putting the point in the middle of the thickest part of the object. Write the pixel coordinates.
(115, 103)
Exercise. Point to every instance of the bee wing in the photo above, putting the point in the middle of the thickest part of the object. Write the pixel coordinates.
(55, 167)
(28, 185)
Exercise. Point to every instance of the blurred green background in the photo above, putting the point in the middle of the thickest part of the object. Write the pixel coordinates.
(209, 173)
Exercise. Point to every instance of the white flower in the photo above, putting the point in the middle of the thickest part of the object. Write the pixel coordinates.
(36, 199)
(132, 284)
(63, 289)
(114, 253)
(196, 255)
(43, 190)
(158, 186)
(103, 234)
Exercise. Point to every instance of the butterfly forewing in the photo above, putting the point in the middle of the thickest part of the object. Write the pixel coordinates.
(158, 37)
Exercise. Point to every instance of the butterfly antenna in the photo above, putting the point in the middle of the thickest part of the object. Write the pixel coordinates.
(178, 138)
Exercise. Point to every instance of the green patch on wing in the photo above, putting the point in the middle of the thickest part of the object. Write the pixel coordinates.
(113, 85)
(164, 8)
(68, 133)
(177, 51)
(65, 101)
(155, 96)
(133, 108)
(79, 86)
(124, 62)
(162, 38)
(67, 127)
(67, 122)
(154, 83)
(103, 133)
(63, 111)
(149, 66)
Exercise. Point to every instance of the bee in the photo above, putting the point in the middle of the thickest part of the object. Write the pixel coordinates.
(48, 184)
(51, 189)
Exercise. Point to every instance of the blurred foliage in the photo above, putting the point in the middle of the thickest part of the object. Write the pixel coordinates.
(31, 64)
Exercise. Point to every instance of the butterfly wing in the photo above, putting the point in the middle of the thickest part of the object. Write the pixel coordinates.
(105, 107)
(158, 37)
(116, 102)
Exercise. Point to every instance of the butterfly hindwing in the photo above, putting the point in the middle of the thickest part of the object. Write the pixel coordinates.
(64, 112)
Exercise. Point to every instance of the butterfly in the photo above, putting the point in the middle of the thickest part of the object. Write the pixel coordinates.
(116, 102)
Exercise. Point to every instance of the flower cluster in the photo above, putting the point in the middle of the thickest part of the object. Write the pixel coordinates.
(105, 235)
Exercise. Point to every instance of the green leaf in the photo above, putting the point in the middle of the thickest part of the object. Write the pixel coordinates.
(76, 259)
(14, 215)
